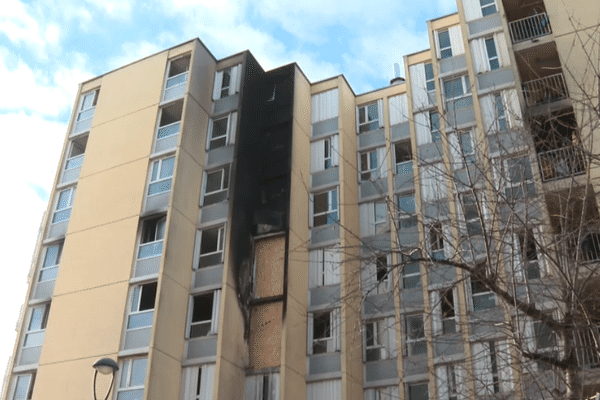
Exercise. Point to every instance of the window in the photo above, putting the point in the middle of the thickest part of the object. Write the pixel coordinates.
(411, 276)
(76, 153)
(403, 153)
(445, 45)
(325, 208)
(486, 368)
(36, 327)
(383, 393)
(383, 274)
(417, 391)
(368, 118)
(368, 165)
(518, 178)
(464, 150)
(430, 81)
(488, 7)
(324, 154)
(482, 297)
(222, 131)
(436, 241)
(471, 207)
(87, 105)
(64, 204)
(23, 387)
(449, 378)
(133, 376)
(49, 269)
(528, 255)
(211, 244)
(227, 82)
(500, 113)
(262, 387)
(204, 320)
(216, 184)
(544, 336)
(178, 72)
(153, 234)
(457, 88)
(376, 276)
(141, 311)
(415, 335)
(448, 313)
(375, 340)
(434, 126)
(492, 53)
(324, 335)
(160, 178)
(199, 382)
(170, 120)
(407, 217)
(324, 267)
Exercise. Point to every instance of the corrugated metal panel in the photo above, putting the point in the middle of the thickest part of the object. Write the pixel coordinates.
(324, 106)
(398, 109)
(472, 9)
(456, 40)
(330, 390)
(417, 85)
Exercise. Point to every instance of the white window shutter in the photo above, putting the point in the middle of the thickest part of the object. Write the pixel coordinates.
(382, 162)
(398, 109)
(422, 128)
(418, 85)
(357, 120)
(380, 112)
(367, 219)
(189, 382)
(456, 40)
(196, 258)
(472, 9)
(441, 381)
(336, 329)
(238, 78)
(274, 386)
(436, 39)
(468, 292)
(208, 382)
(391, 336)
(504, 367)
(368, 276)
(214, 323)
(455, 151)
(209, 133)
(313, 267)
(217, 87)
(317, 156)
(513, 108)
(517, 257)
(482, 369)
(233, 73)
(335, 150)
(489, 113)
(436, 317)
(461, 381)
(480, 58)
(252, 387)
(231, 127)
(309, 335)
(331, 265)
(502, 48)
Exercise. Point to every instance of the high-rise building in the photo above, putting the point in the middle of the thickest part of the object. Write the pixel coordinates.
(226, 232)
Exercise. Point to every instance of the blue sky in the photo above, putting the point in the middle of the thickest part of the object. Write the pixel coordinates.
(47, 47)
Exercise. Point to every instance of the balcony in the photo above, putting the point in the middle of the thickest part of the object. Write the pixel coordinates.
(175, 87)
(529, 28)
(168, 127)
(545, 90)
(561, 163)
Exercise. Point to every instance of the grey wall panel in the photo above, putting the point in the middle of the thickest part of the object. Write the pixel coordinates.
(219, 156)
(209, 276)
(202, 347)
(404, 182)
(436, 210)
(400, 131)
(440, 274)
(415, 365)
(461, 117)
(485, 24)
(43, 290)
(70, 175)
(325, 177)
(377, 242)
(58, 230)
(324, 363)
(167, 143)
(147, 266)
(214, 212)
(409, 237)
(371, 139)
(30, 355)
(467, 178)
(381, 370)
(372, 189)
(174, 92)
(137, 339)
(446, 345)
(324, 295)
(81, 126)
(493, 79)
(226, 105)
(323, 234)
(411, 298)
(430, 151)
(453, 64)
(157, 202)
(506, 142)
(378, 304)
(326, 127)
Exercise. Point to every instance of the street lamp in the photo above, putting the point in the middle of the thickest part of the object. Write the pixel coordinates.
(105, 366)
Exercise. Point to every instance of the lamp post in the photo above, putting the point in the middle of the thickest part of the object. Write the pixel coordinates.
(105, 366)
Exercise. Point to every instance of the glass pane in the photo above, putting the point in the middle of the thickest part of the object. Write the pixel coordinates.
(75, 162)
(150, 250)
(322, 326)
(37, 315)
(406, 204)
(177, 80)
(494, 64)
(219, 128)
(131, 395)
(210, 240)
(489, 10)
(200, 329)
(168, 130)
(34, 339)
(138, 372)
(332, 218)
(203, 306)
(411, 282)
(52, 256)
(63, 199)
(415, 327)
(373, 114)
(159, 187)
(218, 143)
(411, 268)
(406, 223)
(334, 202)
(380, 212)
(213, 181)
(483, 301)
(428, 71)
(446, 53)
(418, 392)
(22, 387)
(361, 115)
(155, 167)
(444, 38)
(140, 320)
(167, 166)
(373, 161)
(48, 274)
(364, 162)
(466, 145)
(491, 48)
(124, 374)
(419, 348)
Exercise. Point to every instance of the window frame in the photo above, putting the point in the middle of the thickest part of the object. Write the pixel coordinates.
(171, 78)
(364, 121)
(212, 323)
(28, 388)
(322, 265)
(436, 241)
(35, 331)
(520, 189)
(332, 208)
(501, 120)
(493, 60)
(415, 384)
(220, 240)
(465, 83)
(60, 213)
(406, 164)
(226, 74)
(126, 373)
(266, 386)
(332, 341)
(225, 178)
(445, 52)
(158, 233)
(369, 166)
(137, 294)
(83, 110)
(409, 276)
(473, 224)
(378, 328)
(529, 256)
(157, 168)
(44, 268)
(75, 161)
(479, 290)
(407, 217)
(489, 5)
(435, 126)
(211, 138)
(413, 341)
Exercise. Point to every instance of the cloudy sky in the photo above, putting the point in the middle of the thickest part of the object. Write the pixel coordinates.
(48, 46)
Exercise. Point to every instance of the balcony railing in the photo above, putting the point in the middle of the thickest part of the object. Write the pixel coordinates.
(586, 346)
(530, 28)
(168, 130)
(561, 163)
(545, 90)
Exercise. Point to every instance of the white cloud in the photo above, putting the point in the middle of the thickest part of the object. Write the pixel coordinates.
(133, 51)
(22, 28)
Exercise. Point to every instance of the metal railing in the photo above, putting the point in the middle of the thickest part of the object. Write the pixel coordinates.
(561, 163)
(168, 130)
(586, 347)
(530, 28)
(545, 90)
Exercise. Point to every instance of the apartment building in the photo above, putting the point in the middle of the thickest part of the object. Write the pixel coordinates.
(225, 232)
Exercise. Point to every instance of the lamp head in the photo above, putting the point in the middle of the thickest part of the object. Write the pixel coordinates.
(106, 366)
